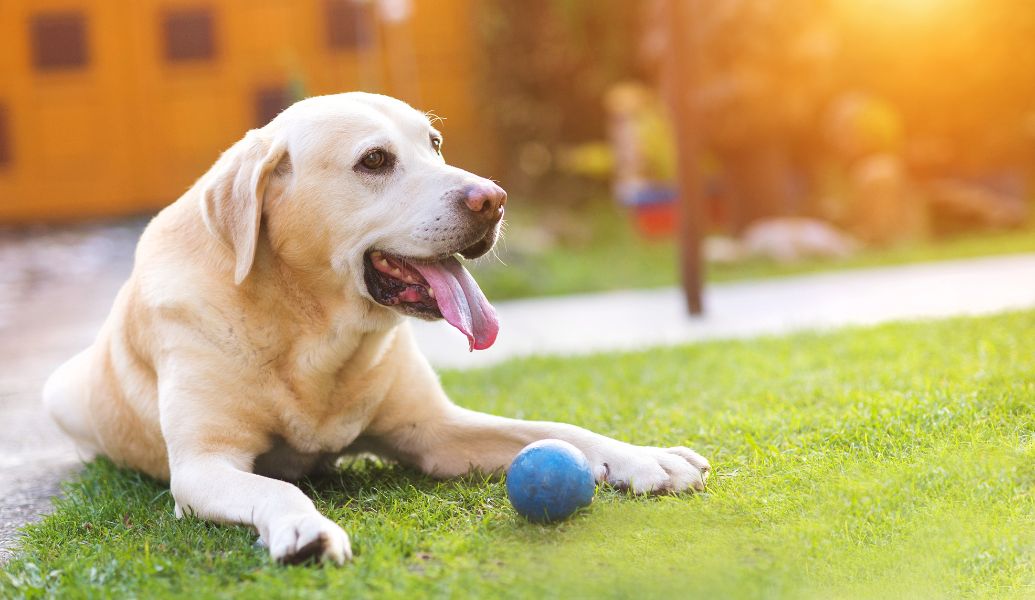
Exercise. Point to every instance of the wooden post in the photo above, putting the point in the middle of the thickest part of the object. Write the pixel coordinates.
(681, 74)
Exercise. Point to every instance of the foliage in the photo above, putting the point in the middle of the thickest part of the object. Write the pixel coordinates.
(772, 79)
(546, 253)
(547, 65)
(971, 88)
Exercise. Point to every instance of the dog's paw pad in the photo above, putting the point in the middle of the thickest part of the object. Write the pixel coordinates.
(312, 550)
(309, 538)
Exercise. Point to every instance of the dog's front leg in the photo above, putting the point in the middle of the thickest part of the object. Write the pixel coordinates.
(218, 488)
(421, 426)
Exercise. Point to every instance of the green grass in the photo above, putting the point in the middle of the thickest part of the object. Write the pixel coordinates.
(552, 254)
(893, 462)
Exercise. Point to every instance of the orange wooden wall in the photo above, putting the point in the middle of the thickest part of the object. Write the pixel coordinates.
(129, 130)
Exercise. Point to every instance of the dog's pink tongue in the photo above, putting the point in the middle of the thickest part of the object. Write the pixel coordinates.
(462, 302)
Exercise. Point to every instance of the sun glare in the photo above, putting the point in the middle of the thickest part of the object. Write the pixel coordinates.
(905, 9)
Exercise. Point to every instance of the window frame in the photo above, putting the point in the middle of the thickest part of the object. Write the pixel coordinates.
(189, 35)
(270, 100)
(59, 41)
(338, 38)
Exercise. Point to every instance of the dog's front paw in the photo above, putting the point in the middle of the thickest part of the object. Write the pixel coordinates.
(296, 539)
(650, 470)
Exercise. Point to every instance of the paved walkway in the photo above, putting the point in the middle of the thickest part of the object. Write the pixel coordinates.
(56, 288)
(640, 319)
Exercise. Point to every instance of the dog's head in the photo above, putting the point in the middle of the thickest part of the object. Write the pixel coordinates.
(354, 187)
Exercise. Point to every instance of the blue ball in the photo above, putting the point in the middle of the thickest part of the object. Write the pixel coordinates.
(549, 480)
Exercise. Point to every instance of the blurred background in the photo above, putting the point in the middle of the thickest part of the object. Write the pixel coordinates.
(820, 132)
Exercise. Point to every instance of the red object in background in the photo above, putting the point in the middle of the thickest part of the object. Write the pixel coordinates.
(655, 209)
(657, 219)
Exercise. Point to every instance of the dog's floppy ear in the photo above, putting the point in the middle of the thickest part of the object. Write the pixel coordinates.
(234, 193)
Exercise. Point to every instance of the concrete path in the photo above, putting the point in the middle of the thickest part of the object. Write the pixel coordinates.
(57, 286)
(640, 319)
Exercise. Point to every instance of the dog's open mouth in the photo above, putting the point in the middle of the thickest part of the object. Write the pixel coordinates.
(433, 289)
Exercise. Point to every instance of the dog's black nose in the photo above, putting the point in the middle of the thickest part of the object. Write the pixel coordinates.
(486, 199)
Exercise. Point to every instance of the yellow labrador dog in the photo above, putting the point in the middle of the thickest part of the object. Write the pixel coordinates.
(261, 333)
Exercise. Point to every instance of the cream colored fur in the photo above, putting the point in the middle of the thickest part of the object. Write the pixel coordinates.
(244, 350)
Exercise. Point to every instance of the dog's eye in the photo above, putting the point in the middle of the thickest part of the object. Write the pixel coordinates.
(374, 160)
(436, 145)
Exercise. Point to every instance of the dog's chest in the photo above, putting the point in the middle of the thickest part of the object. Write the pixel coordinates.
(319, 414)
(329, 432)
(303, 443)
(324, 403)
(283, 461)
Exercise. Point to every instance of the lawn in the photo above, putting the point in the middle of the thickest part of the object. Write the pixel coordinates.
(892, 462)
(554, 253)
